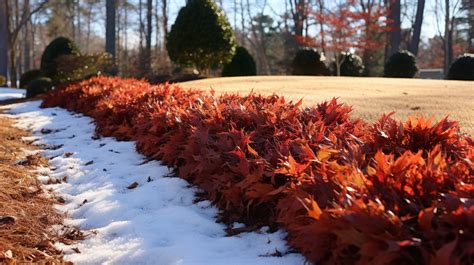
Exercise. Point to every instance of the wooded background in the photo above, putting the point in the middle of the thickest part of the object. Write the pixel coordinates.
(271, 30)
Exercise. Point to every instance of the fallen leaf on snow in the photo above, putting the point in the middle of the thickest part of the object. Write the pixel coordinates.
(132, 186)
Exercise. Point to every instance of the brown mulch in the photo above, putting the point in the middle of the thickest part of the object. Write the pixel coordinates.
(27, 215)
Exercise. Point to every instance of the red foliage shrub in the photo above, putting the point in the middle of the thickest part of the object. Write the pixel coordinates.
(347, 192)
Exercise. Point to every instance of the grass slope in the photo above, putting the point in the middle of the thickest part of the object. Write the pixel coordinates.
(369, 96)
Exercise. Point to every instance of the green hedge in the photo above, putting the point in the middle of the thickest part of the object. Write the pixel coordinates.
(39, 86)
(401, 64)
(462, 68)
(59, 46)
(28, 76)
(309, 62)
(242, 64)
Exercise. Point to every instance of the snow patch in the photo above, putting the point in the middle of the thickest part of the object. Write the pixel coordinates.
(11, 93)
(154, 223)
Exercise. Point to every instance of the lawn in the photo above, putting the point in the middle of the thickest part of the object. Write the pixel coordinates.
(368, 96)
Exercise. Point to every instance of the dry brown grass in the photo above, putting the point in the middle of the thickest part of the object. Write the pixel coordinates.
(369, 96)
(26, 212)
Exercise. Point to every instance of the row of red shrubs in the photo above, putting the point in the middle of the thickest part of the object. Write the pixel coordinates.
(347, 191)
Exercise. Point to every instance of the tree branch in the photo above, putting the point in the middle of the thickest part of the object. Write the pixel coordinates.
(24, 18)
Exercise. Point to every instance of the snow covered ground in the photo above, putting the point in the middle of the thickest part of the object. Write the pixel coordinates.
(154, 223)
(11, 93)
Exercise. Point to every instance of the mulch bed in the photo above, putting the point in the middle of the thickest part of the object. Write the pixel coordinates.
(26, 210)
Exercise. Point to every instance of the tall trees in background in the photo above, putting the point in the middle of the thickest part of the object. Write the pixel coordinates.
(350, 25)
(321, 6)
(110, 28)
(3, 39)
(268, 32)
(164, 15)
(145, 37)
(15, 17)
(299, 13)
(450, 12)
(415, 38)
(26, 37)
(395, 35)
(372, 15)
(147, 51)
(90, 11)
(395, 26)
(260, 32)
(448, 36)
(468, 6)
(340, 31)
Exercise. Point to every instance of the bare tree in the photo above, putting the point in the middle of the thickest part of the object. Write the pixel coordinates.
(257, 38)
(164, 15)
(4, 38)
(450, 10)
(395, 22)
(26, 38)
(149, 16)
(243, 28)
(89, 14)
(13, 31)
(124, 67)
(110, 28)
(415, 39)
(321, 6)
(371, 12)
(79, 21)
(298, 9)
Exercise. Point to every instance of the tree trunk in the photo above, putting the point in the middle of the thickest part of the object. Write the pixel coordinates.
(110, 29)
(118, 35)
(125, 54)
(338, 64)
(4, 41)
(242, 23)
(71, 9)
(149, 15)
(33, 47)
(19, 61)
(235, 15)
(164, 14)
(395, 33)
(415, 39)
(448, 37)
(321, 25)
(12, 61)
(470, 20)
(12, 53)
(297, 11)
(78, 22)
(26, 41)
(141, 51)
(157, 33)
(89, 22)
